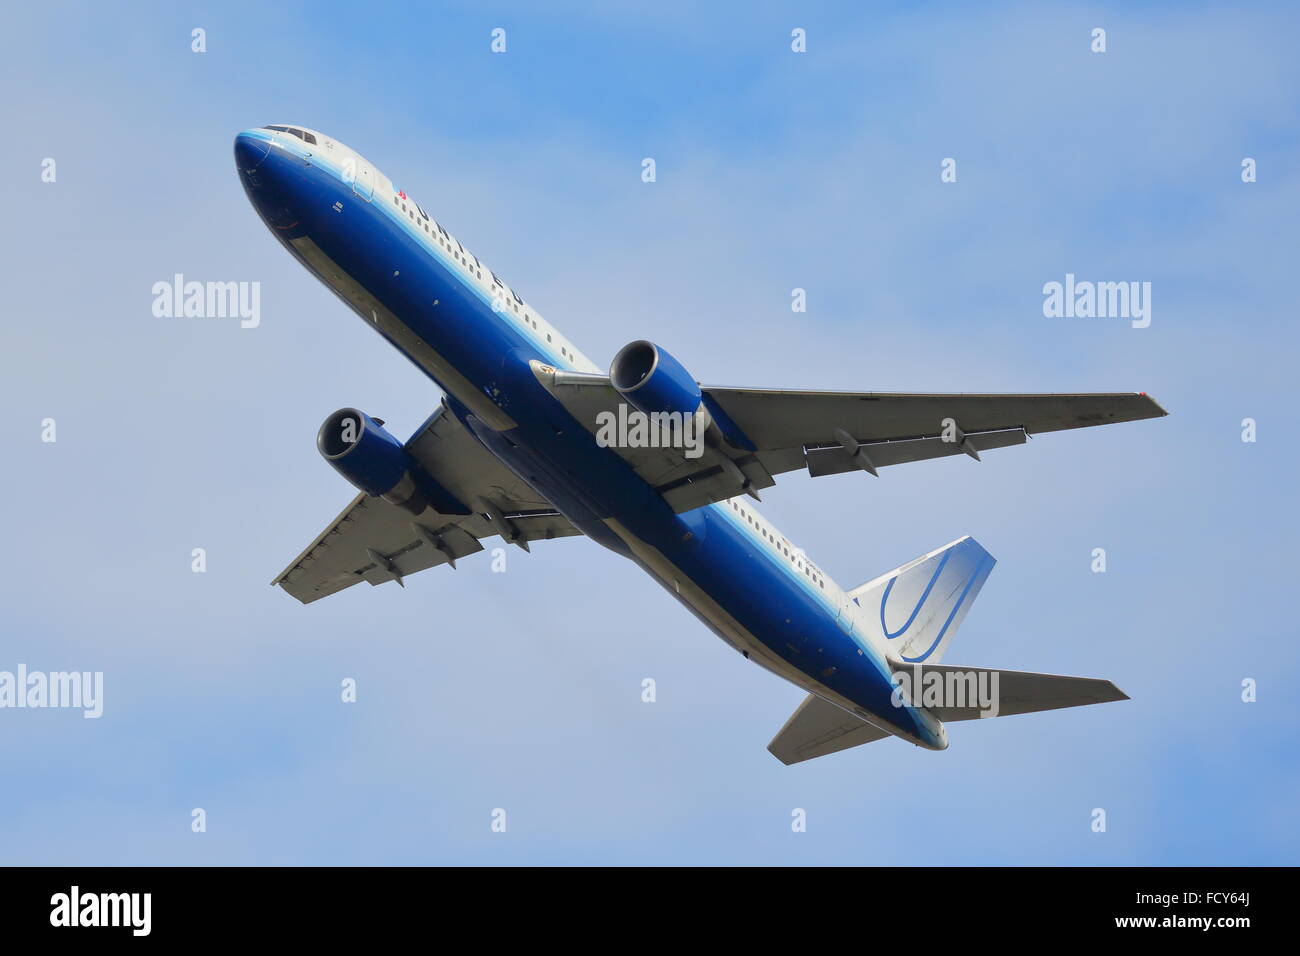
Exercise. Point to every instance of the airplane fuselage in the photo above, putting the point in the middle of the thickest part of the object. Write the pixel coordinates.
(491, 353)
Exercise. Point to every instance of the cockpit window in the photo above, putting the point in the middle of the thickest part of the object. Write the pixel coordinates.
(301, 134)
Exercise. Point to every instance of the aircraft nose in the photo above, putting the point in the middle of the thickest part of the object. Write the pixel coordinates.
(250, 150)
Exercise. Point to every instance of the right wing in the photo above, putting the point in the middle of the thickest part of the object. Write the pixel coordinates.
(374, 541)
(819, 728)
(835, 432)
(767, 432)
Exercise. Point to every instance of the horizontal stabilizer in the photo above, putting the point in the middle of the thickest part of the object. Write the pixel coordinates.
(818, 728)
(951, 692)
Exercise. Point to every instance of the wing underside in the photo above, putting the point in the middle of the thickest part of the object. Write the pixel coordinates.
(757, 434)
(760, 433)
(818, 728)
(375, 541)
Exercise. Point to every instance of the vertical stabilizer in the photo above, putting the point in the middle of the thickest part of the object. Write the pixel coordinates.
(915, 610)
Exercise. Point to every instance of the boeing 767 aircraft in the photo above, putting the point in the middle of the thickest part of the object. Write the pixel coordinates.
(517, 450)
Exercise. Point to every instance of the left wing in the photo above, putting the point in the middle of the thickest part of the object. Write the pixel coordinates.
(374, 541)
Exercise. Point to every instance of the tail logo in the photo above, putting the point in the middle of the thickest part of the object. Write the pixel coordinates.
(975, 575)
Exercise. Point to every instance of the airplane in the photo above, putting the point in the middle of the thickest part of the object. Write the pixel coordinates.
(514, 451)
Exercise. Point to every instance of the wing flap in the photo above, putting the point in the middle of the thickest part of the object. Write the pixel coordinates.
(834, 460)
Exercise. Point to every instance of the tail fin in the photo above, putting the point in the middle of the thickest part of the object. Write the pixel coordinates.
(916, 609)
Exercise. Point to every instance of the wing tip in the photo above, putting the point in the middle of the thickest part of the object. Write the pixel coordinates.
(1160, 411)
(785, 758)
(282, 582)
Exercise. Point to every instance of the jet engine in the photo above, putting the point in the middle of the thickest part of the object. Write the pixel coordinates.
(360, 450)
(653, 381)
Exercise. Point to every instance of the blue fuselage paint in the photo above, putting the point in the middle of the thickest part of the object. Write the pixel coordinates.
(381, 256)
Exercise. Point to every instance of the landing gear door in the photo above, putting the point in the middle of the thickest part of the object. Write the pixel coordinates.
(363, 181)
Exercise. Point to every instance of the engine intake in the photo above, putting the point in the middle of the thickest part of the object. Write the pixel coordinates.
(654, 381)
(371, 459)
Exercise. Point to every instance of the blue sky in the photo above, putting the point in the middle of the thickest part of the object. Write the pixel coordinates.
(776, 170)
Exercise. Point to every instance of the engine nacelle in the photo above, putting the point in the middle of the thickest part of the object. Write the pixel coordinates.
(370, 458)
(654, 381)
